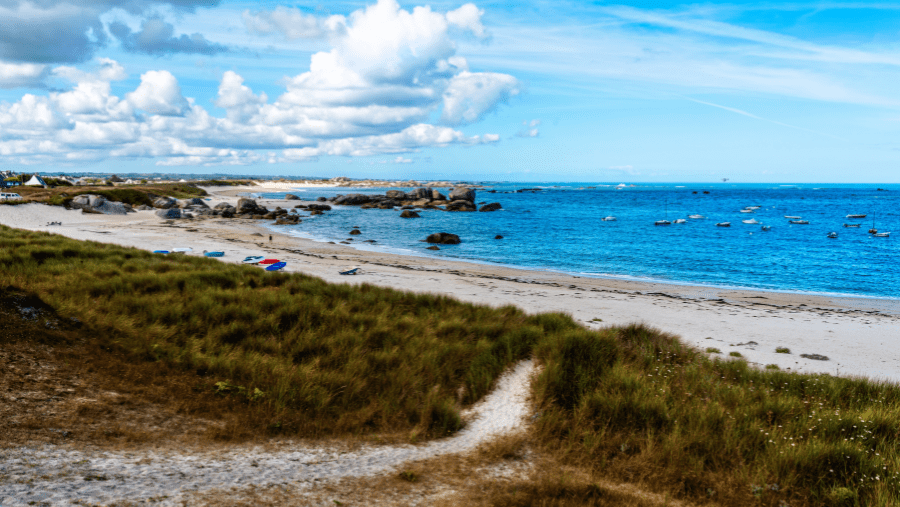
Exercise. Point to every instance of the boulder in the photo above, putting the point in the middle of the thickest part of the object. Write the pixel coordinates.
(409, 214)
(111, 208)
(169, 213)
(315, 212)
(288, 220)
(319, 207)
(163, 202)
(419, 193)
(144, 207)
(443, 238)
(193, 201)
(246, 205)
(223, 205)
(321, 199)
(355, 232)
(494, 206)
(227, 213)
(462, 194)
(353, 199)
(460, 205)
(498, 237)
(433, 247)
(396, 194)
(437, 196)
(291, 197)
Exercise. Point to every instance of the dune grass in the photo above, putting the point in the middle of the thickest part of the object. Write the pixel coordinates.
(134, 195)
(315, 358)
(627, 403)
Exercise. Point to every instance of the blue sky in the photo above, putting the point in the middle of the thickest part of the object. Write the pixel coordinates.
(545, 91)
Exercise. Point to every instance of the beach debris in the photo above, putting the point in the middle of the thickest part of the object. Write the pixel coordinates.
(443, 238)
(409, 214)
(433, 247)
(494, 206)
(817, 357)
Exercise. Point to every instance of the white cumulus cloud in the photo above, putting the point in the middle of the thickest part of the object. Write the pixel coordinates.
(158, 93)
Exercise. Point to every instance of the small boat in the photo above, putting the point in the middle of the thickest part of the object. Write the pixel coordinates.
(269, 261)
(662, 222)
(161, 251)
(882, 234)
(852, 225)
(791, 216)
(832, 235)
(873, 231)
(856, 216)
(276, 266)
(213, 254)
(351, 271)
(680, 221)
(609, 219)
(253, 259)
(723, 224)
(695, 217)
(746, 211)
(751, 221)
(752, 207)
(799, 222)
(766, 227)
(182, 250)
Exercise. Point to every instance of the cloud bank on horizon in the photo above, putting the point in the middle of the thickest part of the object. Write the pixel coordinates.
(676, 91)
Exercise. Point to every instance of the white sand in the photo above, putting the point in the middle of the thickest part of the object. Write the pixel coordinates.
(860, 336)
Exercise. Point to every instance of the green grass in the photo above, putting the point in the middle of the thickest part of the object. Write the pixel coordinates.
(641, 406)
(713, 350)
(135, 195)
(735, 354)
(782, 350)
(629, 403)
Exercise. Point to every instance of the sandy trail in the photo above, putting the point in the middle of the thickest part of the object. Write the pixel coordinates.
(60, 476)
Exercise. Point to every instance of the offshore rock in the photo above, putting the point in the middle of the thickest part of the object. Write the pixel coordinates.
(443, 238)
(494, 206)
(409, 214)
(462, 194)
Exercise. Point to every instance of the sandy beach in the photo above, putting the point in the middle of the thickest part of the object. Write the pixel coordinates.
(860, 336)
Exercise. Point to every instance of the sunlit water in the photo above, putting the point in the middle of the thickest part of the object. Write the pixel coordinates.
(559, 228)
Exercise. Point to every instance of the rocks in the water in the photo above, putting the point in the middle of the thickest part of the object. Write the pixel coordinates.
(460, 205)
(169, 213)
(419, 193)
(396, 194)
(291, 197)
(462, 194)
(437, 196)
(498, 237)
(494, 206)
(443, 238)
(433, 247)
(409, 214)
(318, 207)
(288, 220)
(355, 232)
(353, 199)
(164, 202)
(315, 212)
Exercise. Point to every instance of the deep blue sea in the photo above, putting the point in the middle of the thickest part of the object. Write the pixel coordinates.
(559, 228)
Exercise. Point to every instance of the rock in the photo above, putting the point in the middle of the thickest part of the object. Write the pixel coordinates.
(291, 197)
(353, 199)
(90, 210)
(315, 212)
(319, 207)
(288, 220)
(409, 214)
(396, 194)
(437, 196)
(187, 203)
(462, 194)
(443, 238)
(498, 237)
(270, 216)
(187, 215)
(223, 205)
(227, 213)
(246, 205)
(355, 232)
(321, 199)
(432, 247)
(461, 205)
(163, 202)
(301, 206)
(169, 213)
(111, 208)
(494, 206)
(144, 207)
(95, 200)
(420, 193)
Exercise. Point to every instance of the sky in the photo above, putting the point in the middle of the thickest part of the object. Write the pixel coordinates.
(632, 91)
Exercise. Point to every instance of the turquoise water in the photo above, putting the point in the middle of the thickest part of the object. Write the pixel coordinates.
(559, 228)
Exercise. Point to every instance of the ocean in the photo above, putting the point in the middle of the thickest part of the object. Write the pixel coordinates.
(558, 228)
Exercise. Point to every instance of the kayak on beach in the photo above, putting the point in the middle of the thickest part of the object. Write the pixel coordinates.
(269, 261)
(253, 259)
(276, 266)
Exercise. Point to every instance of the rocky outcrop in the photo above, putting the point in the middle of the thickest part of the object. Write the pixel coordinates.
(291, 197)
(246, 205)
(111, 208)
(169, 213)
(318, 207)
(462, 194)
(353, 199)
(433, 247)
(409, 214)
(461, 205)
(144, 207)
(494, 206)
(498, 237)
(222, 206)
(187, 203)
(443, 238)
(355, 232)
(437, 196)
(288, 220)
(395, 194)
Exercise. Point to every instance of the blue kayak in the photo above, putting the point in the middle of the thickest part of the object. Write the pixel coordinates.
(161, 251)
(276, 266)
(213, 254)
